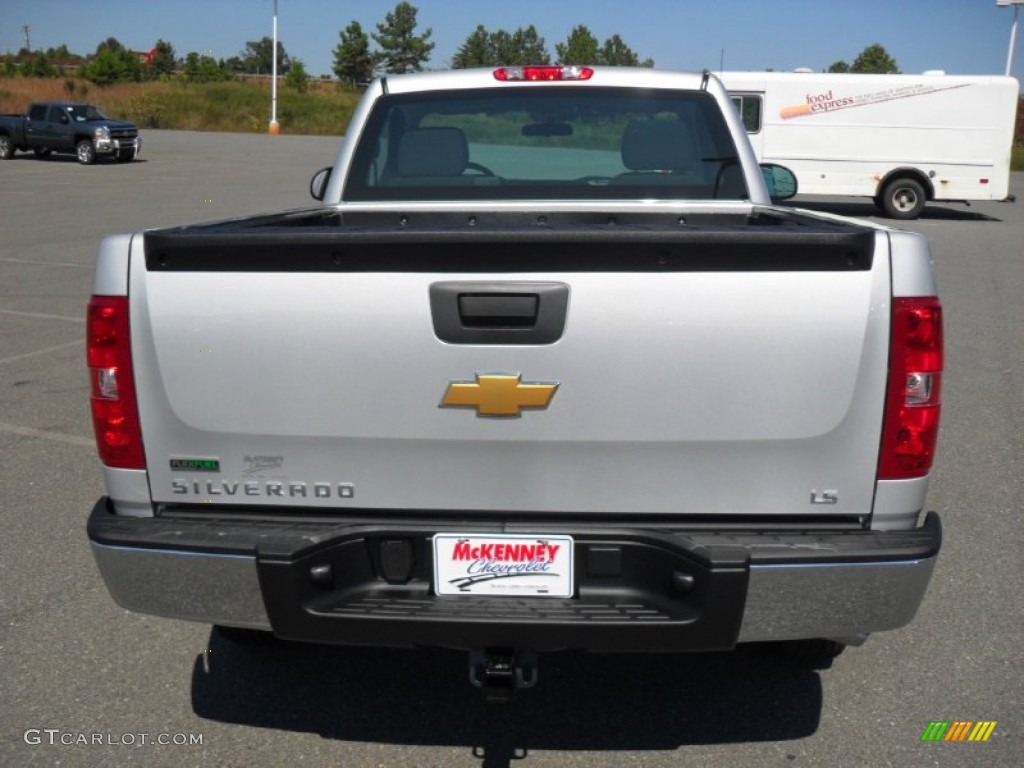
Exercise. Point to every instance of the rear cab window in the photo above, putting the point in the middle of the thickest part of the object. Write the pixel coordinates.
(545, 143)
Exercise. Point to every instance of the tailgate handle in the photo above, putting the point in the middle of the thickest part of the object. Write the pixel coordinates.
(514, 312)
(498, 310)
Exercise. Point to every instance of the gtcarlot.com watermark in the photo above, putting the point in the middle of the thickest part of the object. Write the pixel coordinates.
(58, 737)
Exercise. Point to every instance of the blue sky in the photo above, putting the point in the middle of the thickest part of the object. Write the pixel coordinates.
(959, 36)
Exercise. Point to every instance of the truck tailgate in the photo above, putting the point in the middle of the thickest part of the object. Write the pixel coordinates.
(698, 372)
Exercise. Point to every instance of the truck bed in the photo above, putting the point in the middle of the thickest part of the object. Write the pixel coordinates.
(699, 393)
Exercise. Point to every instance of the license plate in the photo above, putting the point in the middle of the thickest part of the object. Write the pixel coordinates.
(503, 565)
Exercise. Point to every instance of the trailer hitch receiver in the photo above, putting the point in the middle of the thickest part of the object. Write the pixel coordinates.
(500, 672)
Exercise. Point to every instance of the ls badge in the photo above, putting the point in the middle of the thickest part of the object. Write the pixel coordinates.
(499, 394)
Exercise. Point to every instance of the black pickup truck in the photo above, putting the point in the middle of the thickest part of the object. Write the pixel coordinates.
(69, 128)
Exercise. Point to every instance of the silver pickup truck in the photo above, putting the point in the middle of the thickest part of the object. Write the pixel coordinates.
(546, 370)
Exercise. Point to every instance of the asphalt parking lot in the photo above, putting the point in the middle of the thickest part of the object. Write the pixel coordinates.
(73, 664)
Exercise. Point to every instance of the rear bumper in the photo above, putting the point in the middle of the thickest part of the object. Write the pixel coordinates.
(637, 589)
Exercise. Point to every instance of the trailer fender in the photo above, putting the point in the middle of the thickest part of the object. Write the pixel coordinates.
(907, 172)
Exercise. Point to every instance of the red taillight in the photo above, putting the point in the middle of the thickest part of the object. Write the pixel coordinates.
(914, 395)
(115, 415)
(511, 74)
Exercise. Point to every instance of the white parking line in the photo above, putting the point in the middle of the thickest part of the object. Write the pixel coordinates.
(15, 358)
(42, 315)
(58, 437)
(47, 263)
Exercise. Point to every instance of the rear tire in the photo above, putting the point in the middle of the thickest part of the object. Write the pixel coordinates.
(816, 653)
(903, 199)
(6, 147)
(86, 152)
(251, 638)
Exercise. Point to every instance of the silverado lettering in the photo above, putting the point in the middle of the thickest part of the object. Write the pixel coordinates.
(182, 486)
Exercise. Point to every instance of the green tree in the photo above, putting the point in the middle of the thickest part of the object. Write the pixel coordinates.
(488, 49)
(62, 55)
(839, 67)
(134, 71)
(401, 49)
(40, 66)
(583, 48)
(9, 69)
(502, 48)
(104, 69)
(475, 51)
(525, 46)
(192, 66)
(110, 66)
(258, 57)
(1018, 132)
(297, 78)
(616, 53)
(164, 61)
(353, 62)
(111, 44)
(875, 60)
(205, 69)
(580, 48)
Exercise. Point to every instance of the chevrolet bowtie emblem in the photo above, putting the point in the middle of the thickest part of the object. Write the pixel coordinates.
(499, 394)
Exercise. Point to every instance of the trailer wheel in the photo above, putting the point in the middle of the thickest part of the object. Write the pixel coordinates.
(903, 198)
(6, 147)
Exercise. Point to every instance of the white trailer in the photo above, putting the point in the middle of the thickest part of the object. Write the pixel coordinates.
(902, 140)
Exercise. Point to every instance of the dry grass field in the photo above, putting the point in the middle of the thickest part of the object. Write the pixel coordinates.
(229, 106)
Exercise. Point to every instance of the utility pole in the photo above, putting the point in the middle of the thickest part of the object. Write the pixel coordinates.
(28, 43)
(1013, 39)
(274, 127)
(1013, 30)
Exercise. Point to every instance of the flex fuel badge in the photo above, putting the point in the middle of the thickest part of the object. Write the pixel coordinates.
(195, 465)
